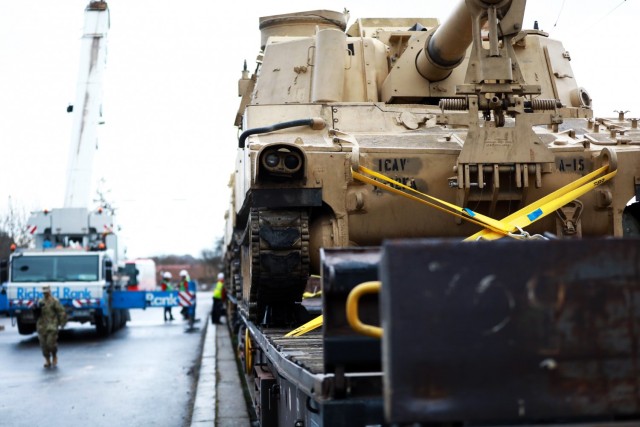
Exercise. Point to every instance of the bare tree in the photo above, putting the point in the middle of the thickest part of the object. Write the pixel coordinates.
(5, 245)
(212, 259)
(13, 228)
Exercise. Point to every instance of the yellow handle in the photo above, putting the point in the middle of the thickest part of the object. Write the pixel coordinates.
(352, 309)
(248, 352)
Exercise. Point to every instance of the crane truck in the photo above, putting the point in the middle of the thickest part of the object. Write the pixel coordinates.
(75, 248)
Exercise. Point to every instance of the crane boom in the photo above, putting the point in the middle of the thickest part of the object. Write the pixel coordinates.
(86, 111)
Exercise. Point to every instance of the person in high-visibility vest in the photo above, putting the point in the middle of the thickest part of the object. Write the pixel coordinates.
(165, 286)
(218, 300)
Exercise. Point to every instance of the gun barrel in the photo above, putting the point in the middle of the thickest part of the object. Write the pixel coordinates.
(447, 46)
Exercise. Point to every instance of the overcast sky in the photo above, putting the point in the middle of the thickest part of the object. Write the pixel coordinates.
(167, 148)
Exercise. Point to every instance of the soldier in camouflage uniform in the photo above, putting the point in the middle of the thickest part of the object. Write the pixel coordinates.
(52, 316)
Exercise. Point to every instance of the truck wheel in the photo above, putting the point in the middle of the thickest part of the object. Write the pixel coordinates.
(103, 325)
(124, 317)
(116, 323)
(26, 328)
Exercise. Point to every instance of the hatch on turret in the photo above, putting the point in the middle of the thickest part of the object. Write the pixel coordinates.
(300, 24)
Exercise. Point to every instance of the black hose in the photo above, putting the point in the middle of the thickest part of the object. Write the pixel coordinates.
(277, 126)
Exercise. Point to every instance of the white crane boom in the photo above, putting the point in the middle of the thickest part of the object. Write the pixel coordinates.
(86, 110)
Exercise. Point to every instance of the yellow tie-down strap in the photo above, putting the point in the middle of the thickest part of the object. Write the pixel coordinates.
(492, 229)
(383, 182)
(550, 203)
(307, 327)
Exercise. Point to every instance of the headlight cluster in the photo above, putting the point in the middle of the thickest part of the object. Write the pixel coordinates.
(281, 161)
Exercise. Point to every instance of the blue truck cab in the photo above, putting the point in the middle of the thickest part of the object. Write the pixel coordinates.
(81, 280)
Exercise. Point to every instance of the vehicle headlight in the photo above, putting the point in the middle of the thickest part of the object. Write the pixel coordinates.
(281, 161)
(271, 160)
(291, 161)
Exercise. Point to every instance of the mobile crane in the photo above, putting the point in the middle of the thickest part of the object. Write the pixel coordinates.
(76, 248)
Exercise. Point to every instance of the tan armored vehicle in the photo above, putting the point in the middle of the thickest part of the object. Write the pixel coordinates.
(476, 112)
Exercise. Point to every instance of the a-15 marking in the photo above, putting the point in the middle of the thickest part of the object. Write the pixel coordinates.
(571, 165)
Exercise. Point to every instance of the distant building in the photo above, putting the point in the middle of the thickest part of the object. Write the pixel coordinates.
(197, 272)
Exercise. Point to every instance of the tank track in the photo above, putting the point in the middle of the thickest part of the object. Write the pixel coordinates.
(279, 264)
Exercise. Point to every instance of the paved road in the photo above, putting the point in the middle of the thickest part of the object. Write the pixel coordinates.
(143, 375)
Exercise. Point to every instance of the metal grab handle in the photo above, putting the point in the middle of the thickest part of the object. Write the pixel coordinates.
(352, 309)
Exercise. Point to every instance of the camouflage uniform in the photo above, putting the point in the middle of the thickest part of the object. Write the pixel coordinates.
(52, 316)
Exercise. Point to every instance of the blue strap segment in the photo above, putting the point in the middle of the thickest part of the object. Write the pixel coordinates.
(534, 215)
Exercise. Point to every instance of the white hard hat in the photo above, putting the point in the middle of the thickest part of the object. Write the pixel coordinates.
(183, 273)
(166, 275)
(220, 276)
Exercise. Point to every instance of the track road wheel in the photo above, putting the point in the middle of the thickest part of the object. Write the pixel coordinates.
(275, 265)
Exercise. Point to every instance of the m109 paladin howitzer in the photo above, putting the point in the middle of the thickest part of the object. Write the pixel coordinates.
(476, 112)
(398, 129)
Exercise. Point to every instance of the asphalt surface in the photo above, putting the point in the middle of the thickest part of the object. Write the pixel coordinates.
(143, 375)
(149, 373)
(219, 398)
